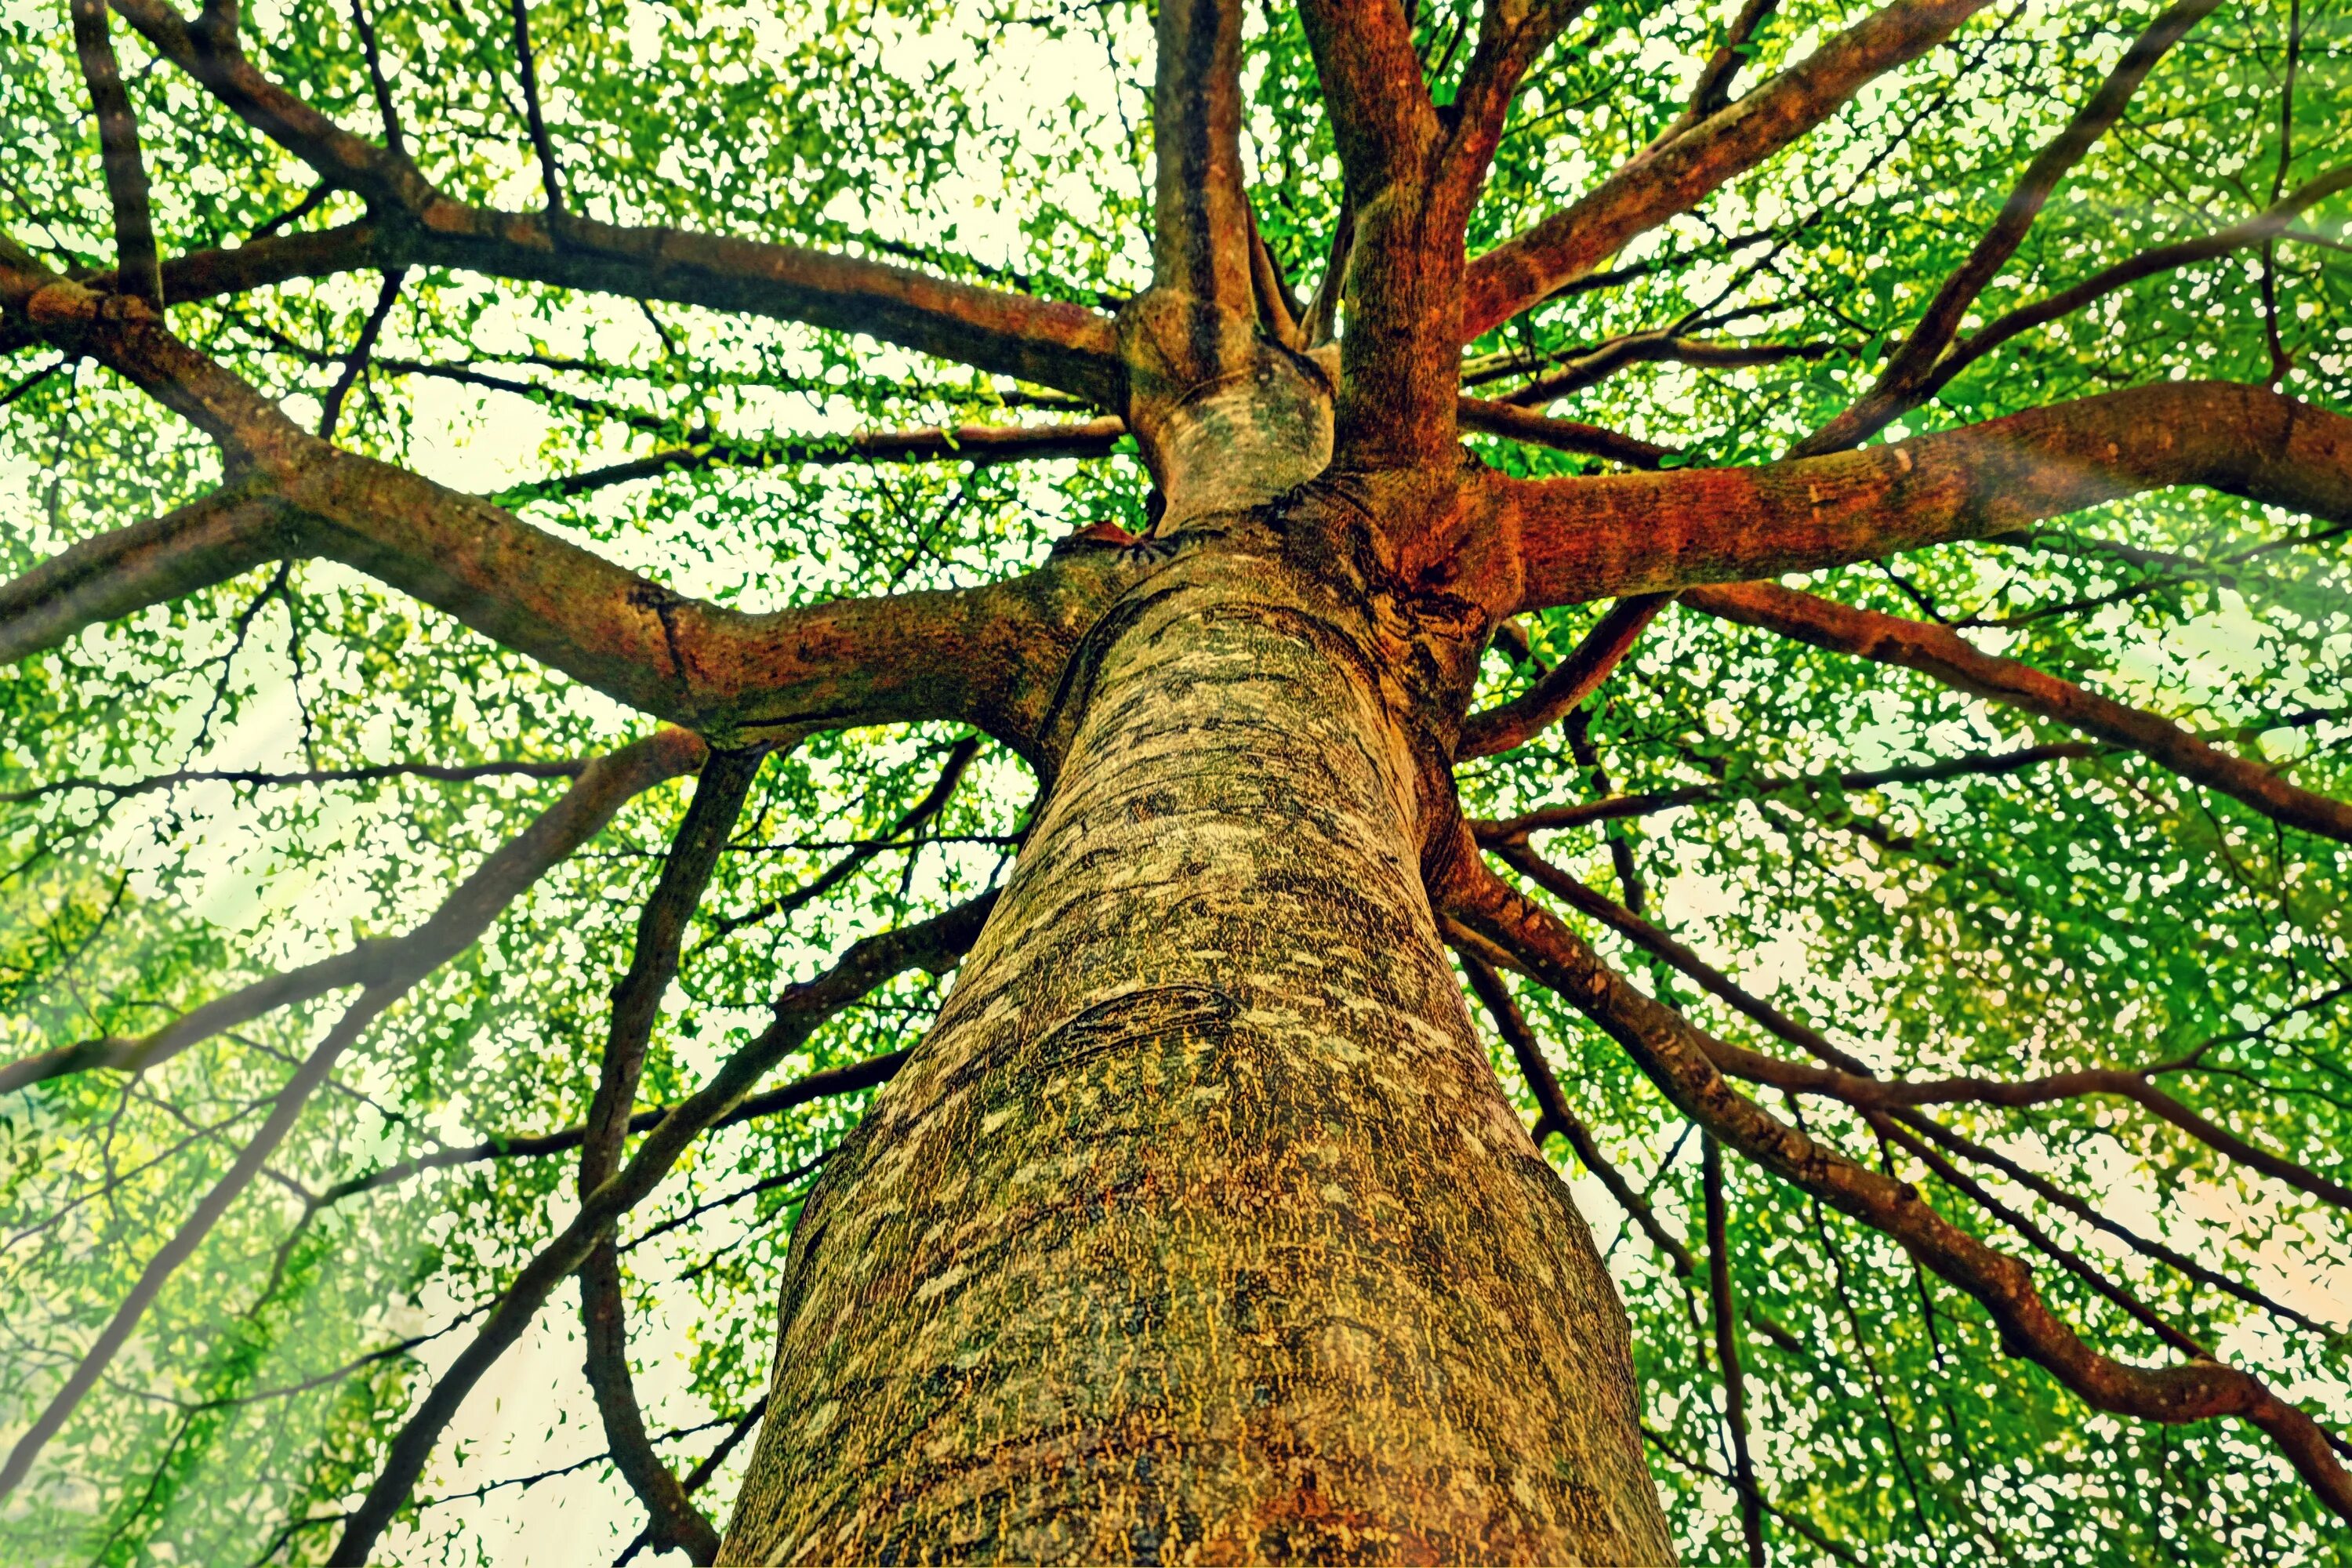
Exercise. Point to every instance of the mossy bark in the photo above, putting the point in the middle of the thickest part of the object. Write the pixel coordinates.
(1199, 1228)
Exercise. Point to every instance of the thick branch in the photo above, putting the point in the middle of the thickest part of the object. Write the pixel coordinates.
(1396, 386)
(602, 789)
(117, 145)
(1675, 1056)
(1631, 533)
(1899, 385)
(1054, 344)
(1673, 178)
(1201, 236)
(398, 963)
(934, 943)
(985, 656)
(1950, 658)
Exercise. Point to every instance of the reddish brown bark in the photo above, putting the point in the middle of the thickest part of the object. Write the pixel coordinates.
(1671, 178)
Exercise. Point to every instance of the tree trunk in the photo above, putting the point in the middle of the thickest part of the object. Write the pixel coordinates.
(1199, 1227)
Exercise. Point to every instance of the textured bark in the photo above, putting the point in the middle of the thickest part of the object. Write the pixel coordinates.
(1199, 1228)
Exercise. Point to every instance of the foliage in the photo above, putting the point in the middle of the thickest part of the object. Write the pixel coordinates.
(2092, 910)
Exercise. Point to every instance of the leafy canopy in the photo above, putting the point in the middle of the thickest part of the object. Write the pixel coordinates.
(235, 783)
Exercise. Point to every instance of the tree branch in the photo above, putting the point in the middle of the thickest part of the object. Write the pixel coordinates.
(550, 174)
(1665, 347)
(1851, 1081)
(985, 656)
(1898, 387)
(1711, 92)
(2052, 1193)
(1512, 1024)
(119, 155)
(725, 781)
(1677, 1057)
(1727, 1348)
(447, 772)
(356, 364)
(1052, 344)
(2274, 222)
(1528, 270)
(979, 445)
(1201, 233)
(1518, 423)
(601, 786)
(1514, 723)
(1631, 533)
(1950, 658)
(819, 1085)
(1548, 819)
(935, 943)
(602, 789)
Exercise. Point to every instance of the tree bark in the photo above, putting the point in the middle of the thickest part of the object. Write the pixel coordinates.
(1199, 1227)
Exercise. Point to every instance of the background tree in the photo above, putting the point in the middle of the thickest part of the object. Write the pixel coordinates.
(1929, 978)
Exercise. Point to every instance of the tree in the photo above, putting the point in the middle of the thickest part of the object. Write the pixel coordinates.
(1960, 1037)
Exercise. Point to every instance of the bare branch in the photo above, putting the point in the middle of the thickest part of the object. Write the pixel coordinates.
(1561, 435)
(1852, 1082)
(602, 789)
(2274, 222)
(823, 1084)
(1677, 1057)
(1898, 387)
(979, 445)
(398, 963)
(726, 780)
(1665, 347)
(1727, 1348)
(1550, 817)
(1950, 658)
(549, 176)
(2041, 1240)
(1630, 534)
(118, 143)
(1512, 1024)
(935, 943)
(383, 104)
(446, 773)
(1642, 934)
(2052, 1193)
(1526, 270)
(356, 366)
(1712, 92)
(1578, 677)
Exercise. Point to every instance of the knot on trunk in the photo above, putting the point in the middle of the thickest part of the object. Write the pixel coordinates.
(1227, 419)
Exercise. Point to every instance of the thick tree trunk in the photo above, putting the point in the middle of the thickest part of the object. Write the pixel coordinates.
(1199, 1230)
